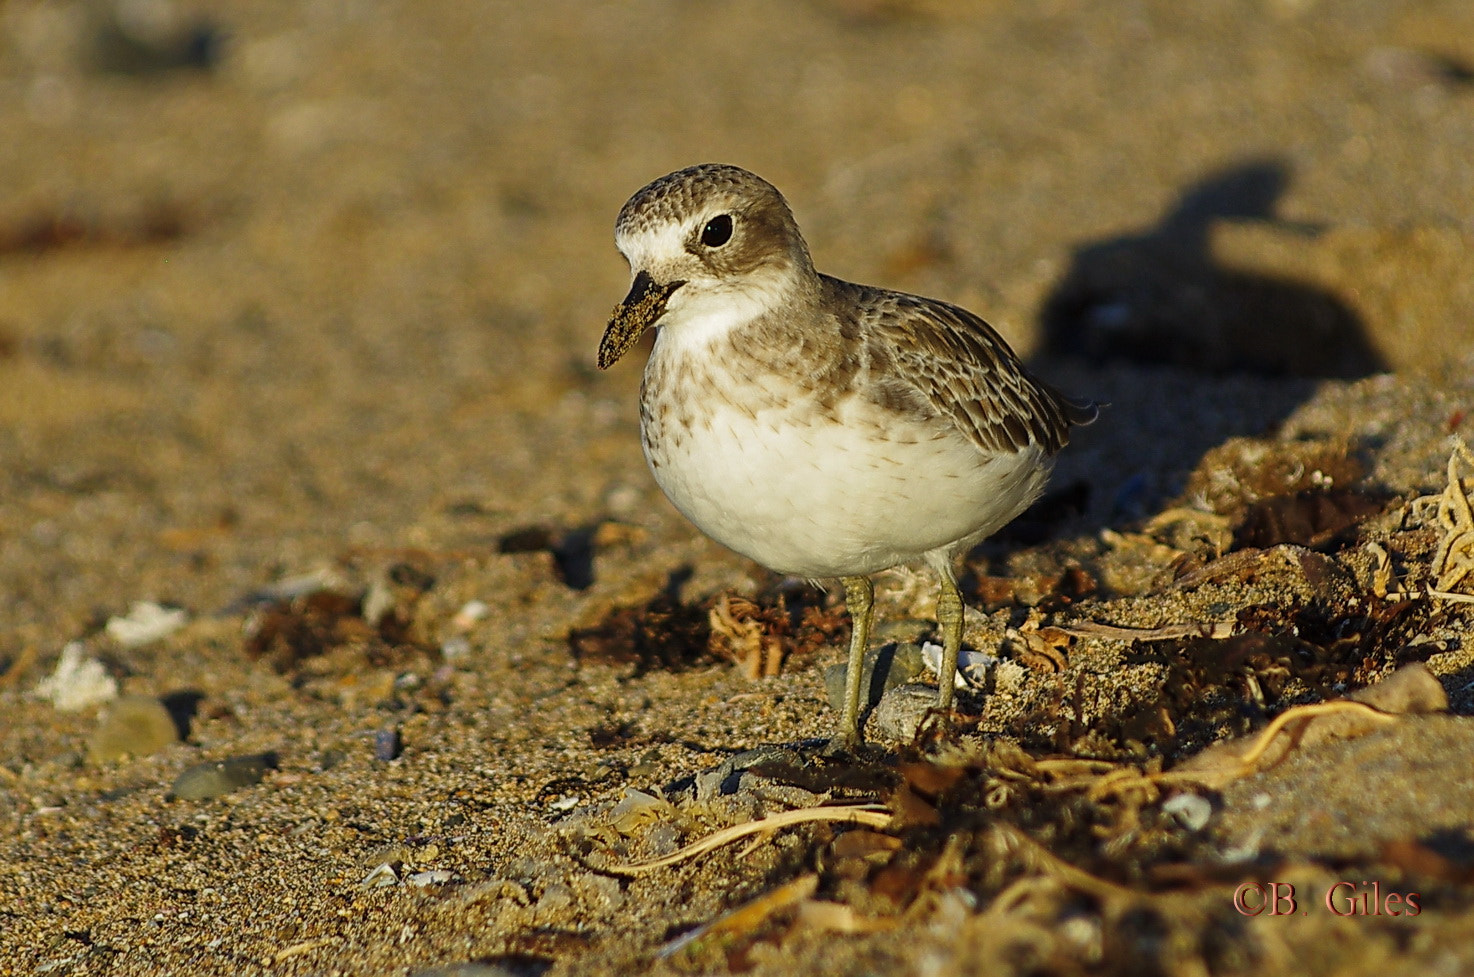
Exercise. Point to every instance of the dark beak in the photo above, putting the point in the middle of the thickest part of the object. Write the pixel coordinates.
(640, 310)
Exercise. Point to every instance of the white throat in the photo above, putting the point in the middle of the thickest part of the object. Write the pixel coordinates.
(703, 312)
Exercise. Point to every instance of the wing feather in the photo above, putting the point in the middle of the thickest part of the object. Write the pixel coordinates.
(966, 372)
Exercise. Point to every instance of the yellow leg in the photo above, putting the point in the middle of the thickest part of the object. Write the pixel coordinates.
(949, 619)
(859, 599)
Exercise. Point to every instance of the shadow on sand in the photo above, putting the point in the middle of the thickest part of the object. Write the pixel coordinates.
(1161, 297)
(1187, 351)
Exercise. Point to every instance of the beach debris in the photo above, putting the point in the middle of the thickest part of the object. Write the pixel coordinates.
(382, 876)
(434, 876)
(761, 633)
(972, 666)
(78, 682)
(289, 631)
(744, 633)
(1411, 690)
(638, 810)
(145, 623)
(1453, 560)
(661, 633)
(1192, 811)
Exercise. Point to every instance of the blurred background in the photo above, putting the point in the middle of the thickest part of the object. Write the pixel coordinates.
(299, 303)
(281, 277)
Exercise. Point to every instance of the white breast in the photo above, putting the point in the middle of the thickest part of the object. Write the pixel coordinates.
(757, 465)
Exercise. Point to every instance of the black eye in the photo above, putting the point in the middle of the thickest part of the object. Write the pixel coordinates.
(718, 231)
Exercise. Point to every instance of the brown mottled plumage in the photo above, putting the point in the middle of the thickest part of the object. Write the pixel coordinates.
(822, 428)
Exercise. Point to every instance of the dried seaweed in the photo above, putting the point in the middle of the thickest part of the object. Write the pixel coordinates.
(760, 633)
(380, 625)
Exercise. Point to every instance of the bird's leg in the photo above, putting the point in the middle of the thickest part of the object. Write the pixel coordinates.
(859, 599)
(949, 619)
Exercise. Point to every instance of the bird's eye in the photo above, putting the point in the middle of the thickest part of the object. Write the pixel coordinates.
(718, 231)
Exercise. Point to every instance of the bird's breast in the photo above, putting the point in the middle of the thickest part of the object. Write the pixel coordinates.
(816, 483)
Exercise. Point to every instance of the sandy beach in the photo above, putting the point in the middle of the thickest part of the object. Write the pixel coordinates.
(344, 631)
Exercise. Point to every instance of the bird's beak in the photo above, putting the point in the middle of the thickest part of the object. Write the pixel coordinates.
(640, 310)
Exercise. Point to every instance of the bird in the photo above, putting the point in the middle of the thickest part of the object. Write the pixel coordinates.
(821, 428)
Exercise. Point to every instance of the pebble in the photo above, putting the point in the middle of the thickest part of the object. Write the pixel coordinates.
(901, 712)
(893, 665)
(216, 777)
(387, 745)
(901, 630)
(133, 725)
(471, 612)
(1192, 811)
(726, 779)
(455, 648)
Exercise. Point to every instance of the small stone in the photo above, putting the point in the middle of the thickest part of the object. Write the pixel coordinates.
(387, 745)
(471, 613)
(395, 853)
(216, 777)
(725, 779)
(901, 712)
(1192, 811)
(885, 668)
(134, 725)
(972, 666)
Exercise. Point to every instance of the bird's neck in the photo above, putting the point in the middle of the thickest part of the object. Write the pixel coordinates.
(719, 314)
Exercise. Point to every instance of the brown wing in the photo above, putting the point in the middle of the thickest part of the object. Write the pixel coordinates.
(965, 371)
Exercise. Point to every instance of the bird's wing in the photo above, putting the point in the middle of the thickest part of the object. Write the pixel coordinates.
(966, 372)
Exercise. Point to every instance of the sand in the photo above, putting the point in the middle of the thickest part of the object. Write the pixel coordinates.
(298, 312)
